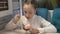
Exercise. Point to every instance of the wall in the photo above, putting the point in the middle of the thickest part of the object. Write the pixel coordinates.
(50, 14)
(15, 7)
(7, 12)
(6, 15)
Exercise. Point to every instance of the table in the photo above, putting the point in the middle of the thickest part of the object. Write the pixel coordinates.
(19, 32)
(13, 32)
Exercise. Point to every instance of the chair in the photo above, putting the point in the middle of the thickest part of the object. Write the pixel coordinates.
(56, 19)
(43, 12)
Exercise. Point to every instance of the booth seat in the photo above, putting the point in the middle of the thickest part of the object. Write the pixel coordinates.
(56, 19)
(43, 12)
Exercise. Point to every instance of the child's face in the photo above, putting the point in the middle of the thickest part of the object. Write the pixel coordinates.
(29, 11)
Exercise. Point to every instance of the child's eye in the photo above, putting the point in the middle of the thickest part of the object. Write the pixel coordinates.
(25, 12)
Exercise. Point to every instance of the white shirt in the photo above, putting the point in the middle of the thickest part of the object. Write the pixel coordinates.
(36, 21)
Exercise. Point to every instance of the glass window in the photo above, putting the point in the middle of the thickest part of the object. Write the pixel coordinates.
(3, 5)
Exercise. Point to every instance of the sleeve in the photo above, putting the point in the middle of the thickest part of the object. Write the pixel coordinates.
(10, 25)
(47, 27)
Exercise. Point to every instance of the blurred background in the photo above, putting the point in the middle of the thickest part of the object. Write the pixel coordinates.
(9, 8)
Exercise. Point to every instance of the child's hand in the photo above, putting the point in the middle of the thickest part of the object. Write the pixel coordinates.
(27, 26)
(16, 18)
